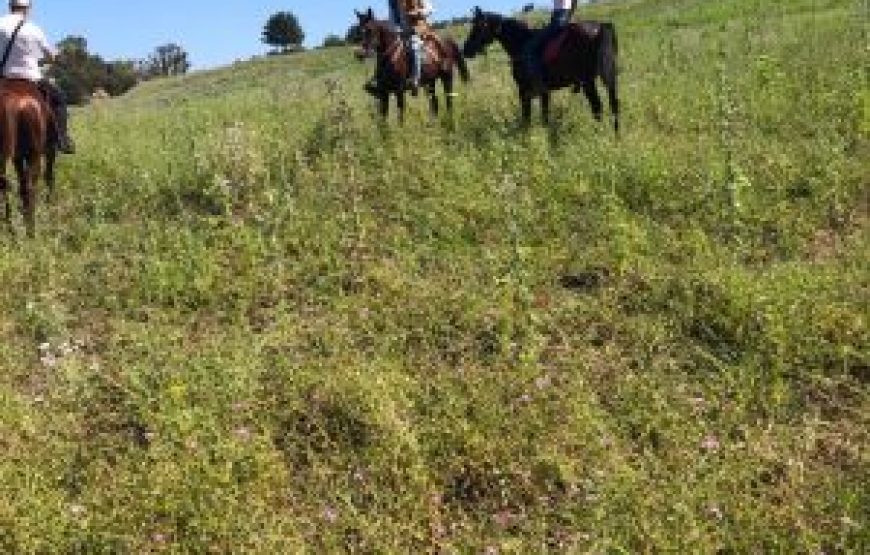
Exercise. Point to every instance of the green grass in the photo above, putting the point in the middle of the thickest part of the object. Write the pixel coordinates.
(255, 320)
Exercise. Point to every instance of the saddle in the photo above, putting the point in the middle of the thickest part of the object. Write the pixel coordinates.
(554, 46)
(433, 48)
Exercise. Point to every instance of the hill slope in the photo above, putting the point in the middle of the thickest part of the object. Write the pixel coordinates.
(257, 321)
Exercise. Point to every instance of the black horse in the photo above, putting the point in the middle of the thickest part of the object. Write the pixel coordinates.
(582, 53)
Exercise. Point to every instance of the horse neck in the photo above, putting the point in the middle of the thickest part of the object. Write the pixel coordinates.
(387, 38)
(514, 36)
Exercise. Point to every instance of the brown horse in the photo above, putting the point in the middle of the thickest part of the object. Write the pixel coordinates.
(442, 57)
(575, 58)
(26, 124)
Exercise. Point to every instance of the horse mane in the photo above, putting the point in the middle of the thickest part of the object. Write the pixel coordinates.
(515, 31)
(510, 22)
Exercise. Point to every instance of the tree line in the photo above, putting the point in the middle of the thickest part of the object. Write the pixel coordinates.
(80, 73)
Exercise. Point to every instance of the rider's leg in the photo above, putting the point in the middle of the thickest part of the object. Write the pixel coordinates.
(58, 105)
(416, 60)
(533, 54)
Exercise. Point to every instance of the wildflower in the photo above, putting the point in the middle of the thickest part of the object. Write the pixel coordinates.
(711, 443)
(49, 360)
(77, 510)
(330, 515)
(66, 349)
(543, 382)
(243, 433)
(503, 518)
(715, 512)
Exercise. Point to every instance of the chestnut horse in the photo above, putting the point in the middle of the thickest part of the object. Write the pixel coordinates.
(26, 122)
(575, 58)
(441, 58)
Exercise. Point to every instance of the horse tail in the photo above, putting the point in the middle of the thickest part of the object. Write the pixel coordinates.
(33, 119)
(608, 52)
(461, 63)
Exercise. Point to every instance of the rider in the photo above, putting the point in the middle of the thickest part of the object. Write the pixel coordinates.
(25, 54)
(411, 17)
(563, 10)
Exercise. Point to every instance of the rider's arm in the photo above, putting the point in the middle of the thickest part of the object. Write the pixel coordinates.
(49, 52)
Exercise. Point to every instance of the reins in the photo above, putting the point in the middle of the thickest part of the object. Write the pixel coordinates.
(9, 47)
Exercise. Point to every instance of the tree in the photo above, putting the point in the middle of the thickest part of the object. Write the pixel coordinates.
(79, 73)
(283, 32)
(167, 60)
(121, 76)
(332, 41)
(73, 45)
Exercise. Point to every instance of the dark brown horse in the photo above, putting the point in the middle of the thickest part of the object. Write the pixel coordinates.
(583, 52)
(26, 139)
(442, 57)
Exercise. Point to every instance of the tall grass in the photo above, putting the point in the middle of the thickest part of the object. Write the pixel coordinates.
(257, 320)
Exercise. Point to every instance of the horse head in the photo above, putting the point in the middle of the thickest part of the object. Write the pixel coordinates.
(485, 29)
(370, 31)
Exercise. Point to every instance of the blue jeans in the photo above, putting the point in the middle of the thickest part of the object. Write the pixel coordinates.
(532, 53)
(416, 47)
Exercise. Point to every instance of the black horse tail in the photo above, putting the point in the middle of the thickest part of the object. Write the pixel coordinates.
(464, 74)
(608, 52)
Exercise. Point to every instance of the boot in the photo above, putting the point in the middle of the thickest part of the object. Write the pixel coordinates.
(57, 103)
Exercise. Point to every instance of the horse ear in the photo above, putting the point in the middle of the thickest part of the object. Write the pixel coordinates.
(477, 11)
(370, 14)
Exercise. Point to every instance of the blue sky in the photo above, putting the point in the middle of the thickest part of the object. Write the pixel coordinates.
(214, 32)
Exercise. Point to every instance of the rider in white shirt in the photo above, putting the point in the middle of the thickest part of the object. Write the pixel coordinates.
(25, 54)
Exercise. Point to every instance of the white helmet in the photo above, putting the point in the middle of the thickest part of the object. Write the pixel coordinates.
(19, 3)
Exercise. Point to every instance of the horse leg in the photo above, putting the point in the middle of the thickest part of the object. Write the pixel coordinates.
(591, 92)
(384, 105)
(526, 107)
(26, 188)
(545, 108)
(50, 159)
(4, 198)
(433, 100)
(613, 95)
(448, 91)
(400, 102)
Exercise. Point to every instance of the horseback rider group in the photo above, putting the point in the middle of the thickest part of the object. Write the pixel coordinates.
(24, 47)
(410, 17)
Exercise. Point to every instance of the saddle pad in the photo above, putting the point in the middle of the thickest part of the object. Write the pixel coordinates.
(554, 47)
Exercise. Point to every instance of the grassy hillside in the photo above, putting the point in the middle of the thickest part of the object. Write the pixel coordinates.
(257, 321)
